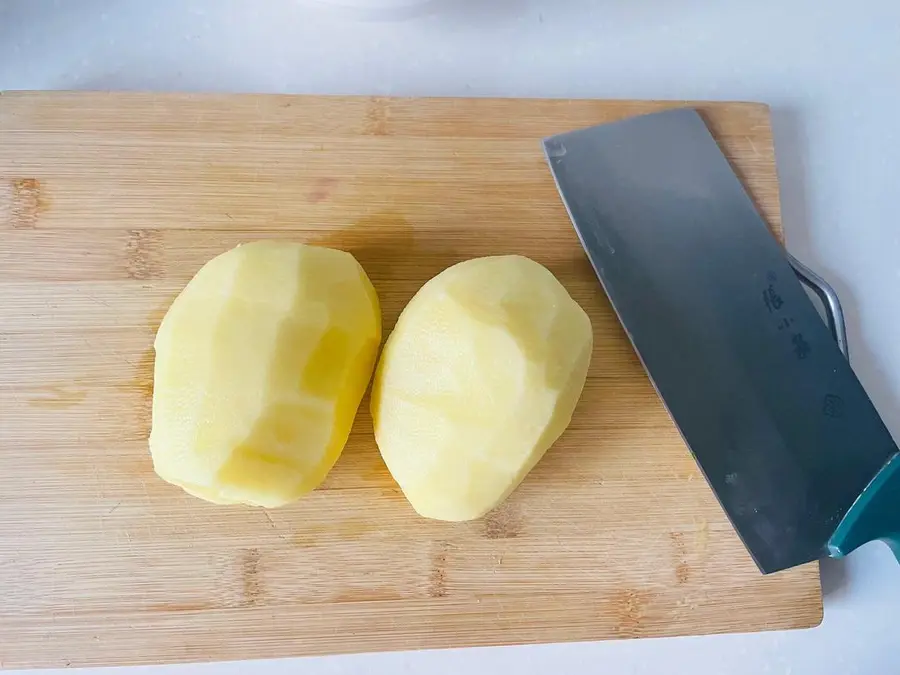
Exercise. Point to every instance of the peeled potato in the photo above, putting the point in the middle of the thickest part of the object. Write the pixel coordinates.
(261, 363)
(478, 379)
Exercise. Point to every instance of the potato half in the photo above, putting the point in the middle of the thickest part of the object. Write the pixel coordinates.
(478, 379)
(261, 363)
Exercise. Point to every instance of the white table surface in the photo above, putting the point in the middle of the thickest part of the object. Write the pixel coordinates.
(830, 69)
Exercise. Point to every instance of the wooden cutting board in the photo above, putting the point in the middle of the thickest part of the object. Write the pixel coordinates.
(110, 202)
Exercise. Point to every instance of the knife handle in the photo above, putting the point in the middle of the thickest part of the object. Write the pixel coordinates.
(875, 515)
(834, 313)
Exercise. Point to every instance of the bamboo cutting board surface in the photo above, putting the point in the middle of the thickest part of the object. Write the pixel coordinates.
(109, 203)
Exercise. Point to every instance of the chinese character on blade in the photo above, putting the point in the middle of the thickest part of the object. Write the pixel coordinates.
(772, 299)
(801, 346)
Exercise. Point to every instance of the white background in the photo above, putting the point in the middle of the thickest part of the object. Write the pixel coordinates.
(829, 68)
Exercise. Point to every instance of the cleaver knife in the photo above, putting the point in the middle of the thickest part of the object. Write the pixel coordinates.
(756, 382)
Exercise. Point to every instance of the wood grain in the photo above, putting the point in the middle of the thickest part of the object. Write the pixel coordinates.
(110, 202)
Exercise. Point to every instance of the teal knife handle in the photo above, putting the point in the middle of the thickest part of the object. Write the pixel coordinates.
(875, 515)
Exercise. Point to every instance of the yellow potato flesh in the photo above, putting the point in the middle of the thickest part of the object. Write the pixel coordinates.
(261, 363)
(478, 379)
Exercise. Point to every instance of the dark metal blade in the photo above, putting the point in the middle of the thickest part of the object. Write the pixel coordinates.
(774, 415)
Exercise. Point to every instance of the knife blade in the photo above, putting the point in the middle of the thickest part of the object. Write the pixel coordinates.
(780, 425)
